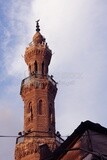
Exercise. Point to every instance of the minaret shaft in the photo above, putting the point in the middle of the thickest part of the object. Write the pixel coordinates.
(38, 92)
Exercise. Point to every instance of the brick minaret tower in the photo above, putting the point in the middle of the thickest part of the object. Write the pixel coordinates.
(38, 92)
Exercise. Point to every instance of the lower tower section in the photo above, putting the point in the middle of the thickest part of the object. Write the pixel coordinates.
(33, 147)
(38, 93)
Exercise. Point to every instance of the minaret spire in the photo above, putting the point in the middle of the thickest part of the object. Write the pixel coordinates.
(37, 25)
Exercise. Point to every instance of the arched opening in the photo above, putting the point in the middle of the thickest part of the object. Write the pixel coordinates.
(29, 107)
(36, 67)
(50, 113)
(30, 69)
(30, 111)
(39, 107)
(43, 68)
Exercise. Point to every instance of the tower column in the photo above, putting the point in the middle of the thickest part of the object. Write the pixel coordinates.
(38, 93)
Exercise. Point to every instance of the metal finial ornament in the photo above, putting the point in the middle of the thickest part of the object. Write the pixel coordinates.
(37, 25)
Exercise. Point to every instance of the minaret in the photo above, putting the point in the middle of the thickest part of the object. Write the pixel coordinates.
(38, 92)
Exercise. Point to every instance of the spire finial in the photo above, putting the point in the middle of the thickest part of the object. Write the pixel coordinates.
(37, 25)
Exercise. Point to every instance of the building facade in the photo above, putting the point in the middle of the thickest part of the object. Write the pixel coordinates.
(38, 92)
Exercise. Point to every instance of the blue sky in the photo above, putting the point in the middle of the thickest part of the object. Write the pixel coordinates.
(76, 31)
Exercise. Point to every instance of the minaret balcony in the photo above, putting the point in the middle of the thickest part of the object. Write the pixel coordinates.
(38, 81)
(38, 77)
(38, 134)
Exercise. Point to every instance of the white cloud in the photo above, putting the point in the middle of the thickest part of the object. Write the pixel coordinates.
(16, 37)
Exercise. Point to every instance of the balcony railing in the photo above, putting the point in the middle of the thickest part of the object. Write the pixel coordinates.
(39, 134)
(38, 76)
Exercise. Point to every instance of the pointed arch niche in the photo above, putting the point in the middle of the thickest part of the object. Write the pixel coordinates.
(40, 107)
(30, 69)
(43, 68)
(36, 67)
(51, 113)
(30, 111)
